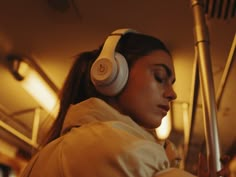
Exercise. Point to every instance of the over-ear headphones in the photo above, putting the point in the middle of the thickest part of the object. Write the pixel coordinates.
(109, 72)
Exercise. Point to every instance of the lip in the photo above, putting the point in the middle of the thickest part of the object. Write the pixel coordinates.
(165, 108)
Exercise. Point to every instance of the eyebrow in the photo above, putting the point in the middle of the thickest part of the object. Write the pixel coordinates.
(167, 69)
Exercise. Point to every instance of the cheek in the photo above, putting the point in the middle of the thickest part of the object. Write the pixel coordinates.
(147, 85)
(133, 91)
(138, 85)
(143, 88)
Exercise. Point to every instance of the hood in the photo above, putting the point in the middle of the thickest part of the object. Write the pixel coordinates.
(95, 109)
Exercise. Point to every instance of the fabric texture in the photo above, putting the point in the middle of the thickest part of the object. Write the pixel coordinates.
(98, 141)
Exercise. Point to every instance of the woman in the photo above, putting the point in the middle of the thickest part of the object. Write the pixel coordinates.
(106, 122)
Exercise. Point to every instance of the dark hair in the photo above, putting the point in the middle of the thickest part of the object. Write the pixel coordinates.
(78, 86)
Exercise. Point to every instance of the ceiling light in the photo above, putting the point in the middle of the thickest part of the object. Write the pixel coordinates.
(40, 90)
(34, 83)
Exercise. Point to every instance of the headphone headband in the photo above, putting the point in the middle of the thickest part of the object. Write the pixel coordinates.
(109, 47)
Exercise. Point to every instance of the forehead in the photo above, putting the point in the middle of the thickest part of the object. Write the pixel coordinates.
(158, 57)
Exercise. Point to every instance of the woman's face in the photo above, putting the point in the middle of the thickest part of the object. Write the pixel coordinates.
(148, 92)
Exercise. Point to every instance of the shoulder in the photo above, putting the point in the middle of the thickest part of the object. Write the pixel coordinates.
(111, 135)
(101, 146)
(45, 162)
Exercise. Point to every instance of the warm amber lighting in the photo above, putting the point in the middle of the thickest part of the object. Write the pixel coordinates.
(186, 122)
(163, 131)
(40, 90)
(35, 85)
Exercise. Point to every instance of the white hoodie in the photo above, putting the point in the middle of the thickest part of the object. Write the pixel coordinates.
(98, 141)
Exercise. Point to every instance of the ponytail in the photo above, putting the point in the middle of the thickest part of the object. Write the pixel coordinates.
(77, 88)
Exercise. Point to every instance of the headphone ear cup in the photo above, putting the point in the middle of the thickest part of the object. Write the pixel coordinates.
(115, 86)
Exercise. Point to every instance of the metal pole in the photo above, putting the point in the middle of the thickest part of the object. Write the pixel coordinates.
(36, 122)
(192, 107)
(226, 72)
(17, 134)
(207, 88)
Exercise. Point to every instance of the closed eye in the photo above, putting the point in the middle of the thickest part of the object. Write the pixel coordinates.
(167, 71)
(159, 79)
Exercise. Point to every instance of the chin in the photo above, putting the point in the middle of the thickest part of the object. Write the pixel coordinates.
(150, 122)
(153, 125)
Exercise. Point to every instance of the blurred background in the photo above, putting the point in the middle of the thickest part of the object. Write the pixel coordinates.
(40, 38)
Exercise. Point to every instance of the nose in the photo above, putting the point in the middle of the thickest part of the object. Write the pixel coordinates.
(170, 94)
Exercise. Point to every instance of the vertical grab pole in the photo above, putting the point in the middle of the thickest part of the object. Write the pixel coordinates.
(207, 88)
